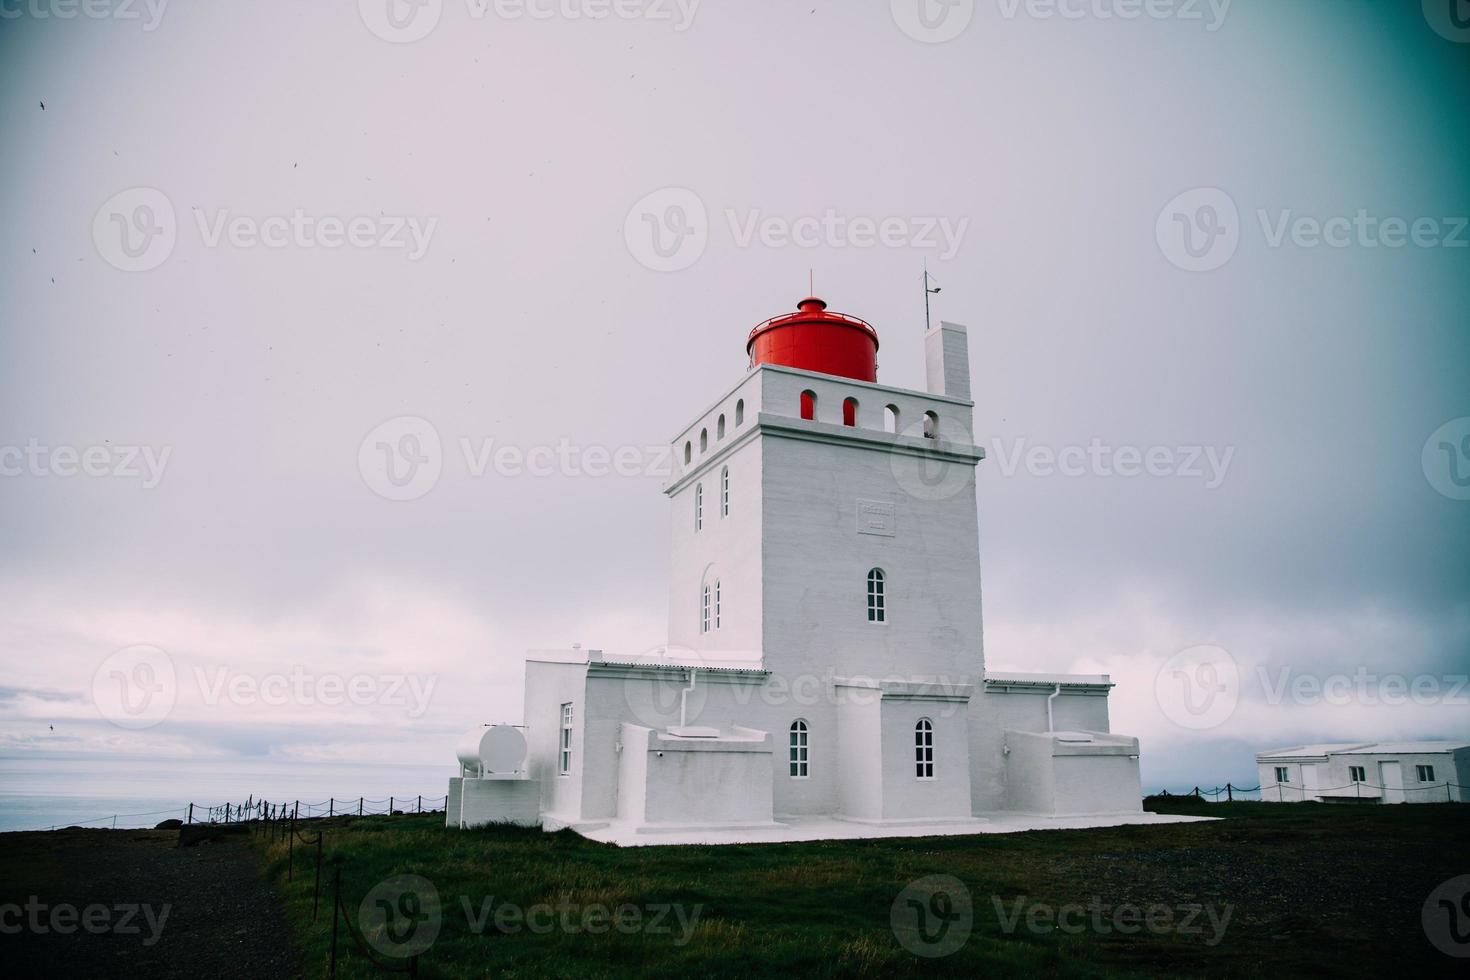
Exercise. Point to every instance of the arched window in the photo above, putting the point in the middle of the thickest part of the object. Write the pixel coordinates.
(725, 492)
(809, 405)
(931, 425)
(799, 749)
(890, 419)
(849, 411)
(877, 607)
(703, 440)
(720, 428)
(740, 413)
(688, 453)
(698, 506)
(717, 603)
(704, 610)
(924, 749)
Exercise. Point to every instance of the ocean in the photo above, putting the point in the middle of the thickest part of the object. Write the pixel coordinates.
(42, 792)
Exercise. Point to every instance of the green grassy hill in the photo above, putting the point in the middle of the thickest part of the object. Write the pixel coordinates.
(1296, 890)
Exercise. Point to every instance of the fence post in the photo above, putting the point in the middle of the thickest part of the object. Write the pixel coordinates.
(227, 813)
(336, 897)
(316, 888)
(359, 806)
(329, 806)
(421, 803)
(291, 850)
(390, 804)
(1229, 793)
(191, 813)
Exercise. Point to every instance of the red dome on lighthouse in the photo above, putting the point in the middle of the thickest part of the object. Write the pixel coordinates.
(813, 339)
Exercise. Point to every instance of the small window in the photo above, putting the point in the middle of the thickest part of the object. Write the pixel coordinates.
(931, 425)
(1425, 773)
(725, 492)
(703, 440)
(798, 750)
(924, 749)
(849, 412)
(717, 603)
(740, 413)
(720, 428)
(688, 452)
(877, 609)
(1282, 775)
(809, 405)
(1357, 774)
(566, 738)
(699, 506)
(704, 610)
(890, 419)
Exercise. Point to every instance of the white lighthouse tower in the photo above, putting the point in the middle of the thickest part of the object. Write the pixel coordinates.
(825, 665)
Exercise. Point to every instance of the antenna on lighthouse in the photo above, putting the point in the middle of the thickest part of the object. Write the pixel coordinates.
(927, 280)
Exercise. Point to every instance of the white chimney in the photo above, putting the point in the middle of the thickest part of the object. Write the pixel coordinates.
(947, 360)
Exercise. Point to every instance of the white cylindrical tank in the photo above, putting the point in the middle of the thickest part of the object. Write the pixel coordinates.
(493, 750)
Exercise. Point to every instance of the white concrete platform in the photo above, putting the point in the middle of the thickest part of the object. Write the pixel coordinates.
(790, 829)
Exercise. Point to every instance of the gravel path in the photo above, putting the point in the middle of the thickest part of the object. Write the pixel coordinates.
(113, 903)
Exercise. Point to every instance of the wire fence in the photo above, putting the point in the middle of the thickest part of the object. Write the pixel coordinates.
(278, 822)
(251, 808)
(1445, 792)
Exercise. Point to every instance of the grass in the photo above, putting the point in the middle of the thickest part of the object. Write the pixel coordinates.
(1302, 889)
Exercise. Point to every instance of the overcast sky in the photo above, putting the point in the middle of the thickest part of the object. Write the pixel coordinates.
(566, 226)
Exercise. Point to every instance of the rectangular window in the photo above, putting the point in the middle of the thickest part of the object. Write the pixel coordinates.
(717, 603)
(924, 751)
(1282, 775)
(1357, 774)
(698, 506)
(799, 751)
(566, 738)
(704, 610)
(1426, 773)
(725, 492)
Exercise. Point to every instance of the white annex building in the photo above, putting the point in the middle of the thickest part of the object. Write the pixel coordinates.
(1367, 772)
(824, 666)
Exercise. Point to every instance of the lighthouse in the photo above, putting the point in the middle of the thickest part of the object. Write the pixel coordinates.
(824, 672)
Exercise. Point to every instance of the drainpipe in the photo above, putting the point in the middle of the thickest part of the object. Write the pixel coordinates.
(684, 697)
(1049, 699)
